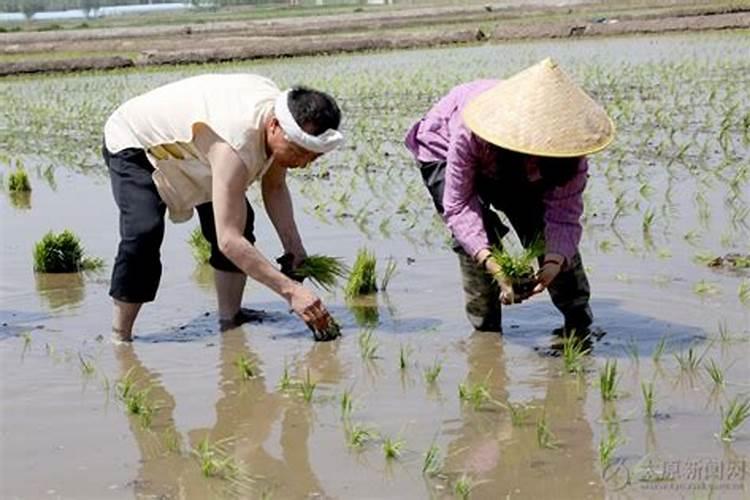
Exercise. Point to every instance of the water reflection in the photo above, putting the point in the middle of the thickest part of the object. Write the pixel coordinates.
(60, 290)
(499, 456)
(20, 199)
(247, 413)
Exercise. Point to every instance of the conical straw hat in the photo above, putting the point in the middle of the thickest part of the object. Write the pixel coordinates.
(540, 111)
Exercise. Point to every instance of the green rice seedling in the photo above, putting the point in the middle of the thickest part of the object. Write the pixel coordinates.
(623, 277)
(703, 288)
(307, 387)
(214, 460)
(346, 403)
(544, 437)
(26, 336)
(608, 445)
(88, 367)
(323, 270)
(368, 346)
(734, 416)
(608, 380)
(390, 272)
(403, 357)
(605, 246)
(62, 253)
(574, 352)
(463, 487)
(18, 181)
(392, 447)
(518, 413)
(475, 394)
(246, 367)
(648, 221)
(172, 441)
(200, 246)
(125, 385)
(357, 435)
(137, 403)
(659, 349)
(363, 277)
(724, 334)
(432, 461)
(431, 373)
(690, 361)
(647, 389)
(631, 347)
(743, 292)
(287, 382)
(715, 372)
(692, 237)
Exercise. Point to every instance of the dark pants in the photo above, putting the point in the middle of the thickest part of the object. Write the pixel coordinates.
(137, 268)
(522, 202)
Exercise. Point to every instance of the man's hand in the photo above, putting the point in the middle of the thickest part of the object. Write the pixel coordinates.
(548, 272)
(310, 308)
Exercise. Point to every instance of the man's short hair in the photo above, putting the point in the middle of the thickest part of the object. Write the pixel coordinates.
(313, 110)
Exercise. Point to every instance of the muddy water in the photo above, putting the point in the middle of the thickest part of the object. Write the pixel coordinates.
(65, 434)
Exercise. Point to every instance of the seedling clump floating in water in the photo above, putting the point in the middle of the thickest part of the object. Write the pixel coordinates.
(62, 253)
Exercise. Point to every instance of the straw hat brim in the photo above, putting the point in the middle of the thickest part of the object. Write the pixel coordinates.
(540, 111)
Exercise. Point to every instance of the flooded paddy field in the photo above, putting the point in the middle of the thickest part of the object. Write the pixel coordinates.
(264, 412)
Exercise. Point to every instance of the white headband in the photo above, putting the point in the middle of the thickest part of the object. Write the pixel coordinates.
(323, 143)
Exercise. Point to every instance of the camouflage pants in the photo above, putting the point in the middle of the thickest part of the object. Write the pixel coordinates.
(570, 291)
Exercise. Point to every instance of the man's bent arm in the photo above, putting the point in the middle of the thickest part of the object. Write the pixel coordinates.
(278, 203)
(230, 213)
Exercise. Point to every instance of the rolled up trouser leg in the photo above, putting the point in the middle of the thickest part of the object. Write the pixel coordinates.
(481, 295)
(570, 292)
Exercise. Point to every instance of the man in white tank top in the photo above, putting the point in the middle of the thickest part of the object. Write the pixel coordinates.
(199, 143)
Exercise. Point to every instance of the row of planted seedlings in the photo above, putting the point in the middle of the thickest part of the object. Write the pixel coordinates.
(690, 364)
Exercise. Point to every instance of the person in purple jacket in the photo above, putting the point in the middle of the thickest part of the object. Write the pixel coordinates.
(517, 146)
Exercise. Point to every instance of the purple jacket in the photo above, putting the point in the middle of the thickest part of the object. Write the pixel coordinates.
(442, 136)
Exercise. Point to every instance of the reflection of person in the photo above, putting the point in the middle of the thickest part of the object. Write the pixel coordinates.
(199, 143)
(501, 458)
(517, 146)
(246, 415)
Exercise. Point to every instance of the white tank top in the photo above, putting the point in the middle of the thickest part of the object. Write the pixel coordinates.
(161, 122)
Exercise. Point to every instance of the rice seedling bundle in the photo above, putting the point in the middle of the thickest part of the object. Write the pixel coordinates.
(62, 253)
(363, 276)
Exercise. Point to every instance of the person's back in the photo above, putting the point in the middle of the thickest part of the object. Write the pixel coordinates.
(163, 122)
